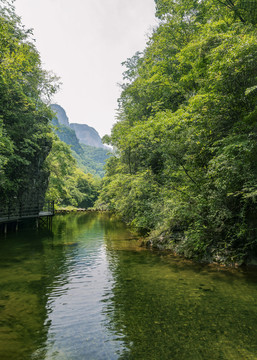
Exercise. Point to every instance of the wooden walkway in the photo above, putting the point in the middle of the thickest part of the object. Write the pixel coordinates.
(15, 213)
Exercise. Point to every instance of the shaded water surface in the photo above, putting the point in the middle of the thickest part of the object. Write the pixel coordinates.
(89, 291)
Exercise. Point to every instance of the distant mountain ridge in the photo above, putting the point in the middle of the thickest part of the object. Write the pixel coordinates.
(61, 115)
(85, 134)
(85, 142)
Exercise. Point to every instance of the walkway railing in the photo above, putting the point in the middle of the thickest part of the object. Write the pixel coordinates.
(22, 211)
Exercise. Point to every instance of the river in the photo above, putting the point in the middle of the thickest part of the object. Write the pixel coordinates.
(88, 291)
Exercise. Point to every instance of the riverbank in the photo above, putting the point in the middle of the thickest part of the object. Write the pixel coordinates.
(179, 245)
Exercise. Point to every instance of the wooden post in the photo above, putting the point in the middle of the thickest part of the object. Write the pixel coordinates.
(5, 228)
(17, 226)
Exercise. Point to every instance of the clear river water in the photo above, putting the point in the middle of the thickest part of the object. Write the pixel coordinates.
(88, 291)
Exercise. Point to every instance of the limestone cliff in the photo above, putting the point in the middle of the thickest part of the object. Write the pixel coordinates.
(61, 115)
(85, 142)
(87, 135)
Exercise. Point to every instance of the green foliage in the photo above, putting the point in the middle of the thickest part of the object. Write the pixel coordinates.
(67, 135)
(89, 158)
(6, 151)
(92, 160)
(185, 142)
(69, 185)
(25, 134)
(30, 154)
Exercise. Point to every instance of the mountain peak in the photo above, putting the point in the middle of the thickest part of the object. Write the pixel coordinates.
(86, 135)
(61, 115)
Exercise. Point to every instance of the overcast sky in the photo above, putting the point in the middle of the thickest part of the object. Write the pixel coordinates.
(84, 42)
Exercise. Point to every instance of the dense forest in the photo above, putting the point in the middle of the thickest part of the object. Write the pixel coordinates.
(184, 166)
(25, 133)
(34, 163)
(185, 169)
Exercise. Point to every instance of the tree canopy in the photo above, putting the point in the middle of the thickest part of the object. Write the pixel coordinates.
(32, 159)
(25, 133)
(68, 184)
(185, 139)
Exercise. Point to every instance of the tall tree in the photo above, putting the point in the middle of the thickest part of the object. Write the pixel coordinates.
(24, 113)
(185, 139)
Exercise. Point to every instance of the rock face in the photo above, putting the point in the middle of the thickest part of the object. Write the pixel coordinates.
(60, 114)
(85, 142)
(87, 135)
